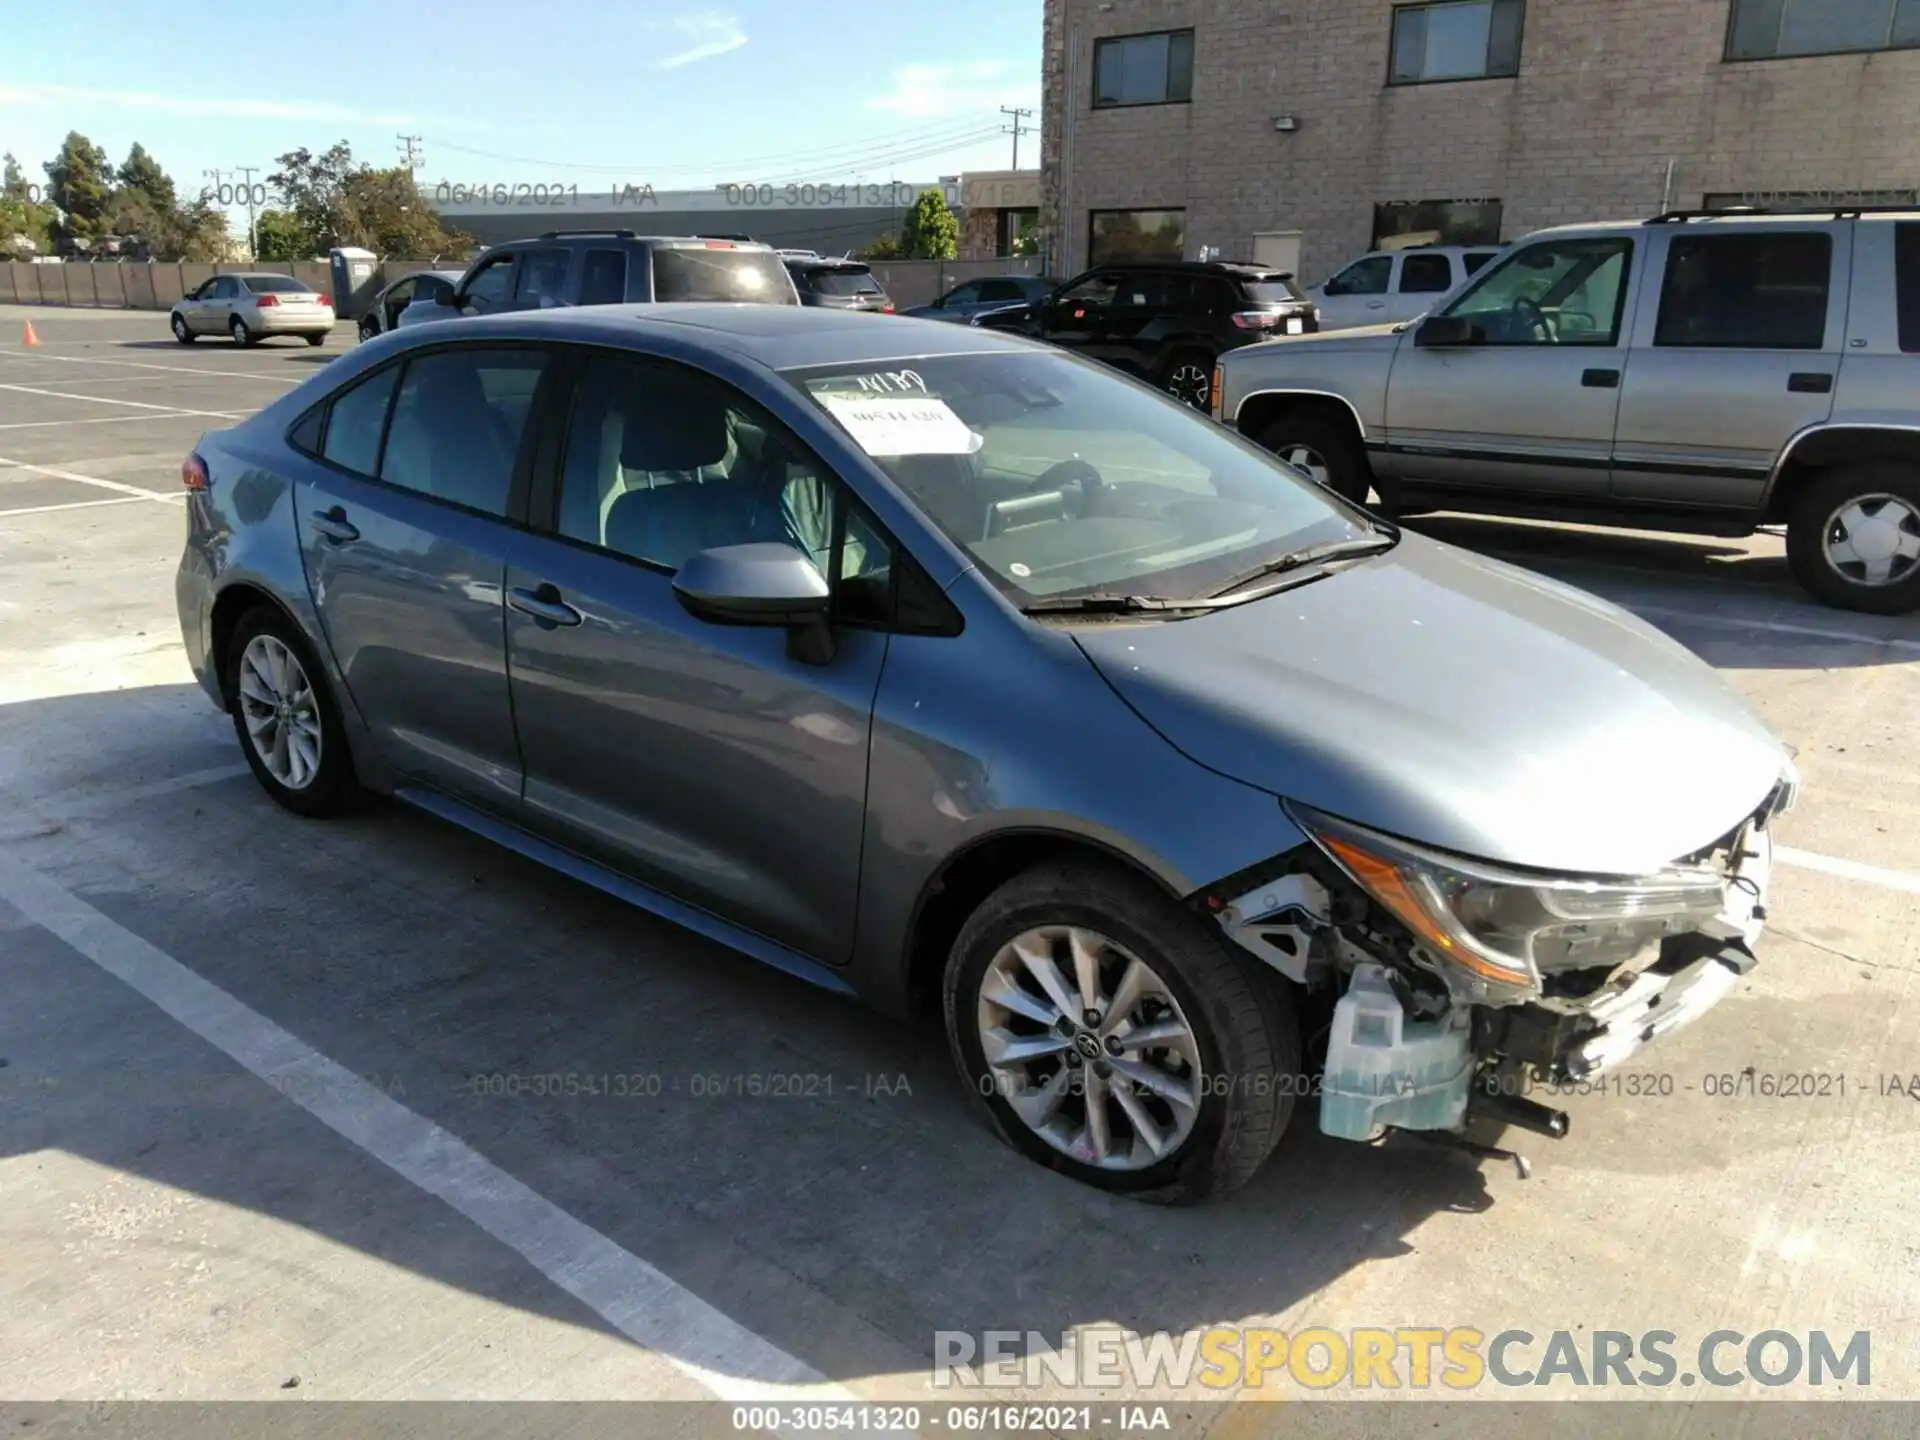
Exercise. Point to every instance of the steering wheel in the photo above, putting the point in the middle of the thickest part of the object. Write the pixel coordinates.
(1528, 313)
(1077, 481)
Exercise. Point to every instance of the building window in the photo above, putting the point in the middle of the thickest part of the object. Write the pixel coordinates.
(1401, 224)
(1136, 235)
(1143, 70)
(1461, 40)
(1763, 29)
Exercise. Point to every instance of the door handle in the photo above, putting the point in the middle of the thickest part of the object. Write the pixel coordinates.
(333, 525)
(1810, 382)
(1376, 304)
(1600, 379)
(544, 605)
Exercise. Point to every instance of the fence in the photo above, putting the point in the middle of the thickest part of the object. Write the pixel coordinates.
(156, 285)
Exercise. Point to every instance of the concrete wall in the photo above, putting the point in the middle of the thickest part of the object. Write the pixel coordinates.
(1606, 96)
(156, 286)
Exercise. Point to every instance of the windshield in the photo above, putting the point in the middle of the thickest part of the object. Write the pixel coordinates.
(721, 274)
(276, 285)
(844, 282)
(1060, 477)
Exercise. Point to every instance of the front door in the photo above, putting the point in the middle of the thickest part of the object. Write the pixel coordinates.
(1075, 318)
(1736, 352)
(1357, 295)
(1528, 407)
(701, 759)
(405, 544)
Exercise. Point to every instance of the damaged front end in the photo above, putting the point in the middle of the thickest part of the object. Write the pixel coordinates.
(1455, 982)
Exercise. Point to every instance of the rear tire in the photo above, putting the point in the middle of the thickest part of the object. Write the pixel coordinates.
(182, 331)
(1235, 1020)
(285, 716)
(317, 340)
(1304, 435)
(241, 334)
(1854, 538)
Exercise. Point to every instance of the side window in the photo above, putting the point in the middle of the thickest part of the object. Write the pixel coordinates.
(1474, 261)
(355, 420)
(305, 434)
(1094, 292)
(225, 287)
(603, 277)
(1558, 292)
(994, 291)
(1906, 283)
(543, 279)
(970, 293)
(1425, 274)
(863, 585)
(664, 462)
(1363, 277)
(401, 295)
(488, 288)
(1160, 293)
(457, 423)
(1757, 292)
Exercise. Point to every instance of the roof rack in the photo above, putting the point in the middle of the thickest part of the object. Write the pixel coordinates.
(1727, 212)
(563, 234)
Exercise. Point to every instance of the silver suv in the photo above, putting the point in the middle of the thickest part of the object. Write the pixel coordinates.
(1702, 371)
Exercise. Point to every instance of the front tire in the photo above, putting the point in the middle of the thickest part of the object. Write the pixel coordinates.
(1854, 538)
(1324, 447)
(182, 331)
(1116, 1037)
(285, 716)
(369, 329)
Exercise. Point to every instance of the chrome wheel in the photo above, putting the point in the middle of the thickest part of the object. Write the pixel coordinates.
(1191, 384)
(1873, 539)
(1305, 457)
(1089, 1048)
(281, 712)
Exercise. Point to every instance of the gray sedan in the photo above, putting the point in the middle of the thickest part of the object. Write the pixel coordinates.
(249, 308)
(966, 302)
(933, 666)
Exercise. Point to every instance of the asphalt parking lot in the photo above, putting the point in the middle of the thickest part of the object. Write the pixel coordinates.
(249, 1134)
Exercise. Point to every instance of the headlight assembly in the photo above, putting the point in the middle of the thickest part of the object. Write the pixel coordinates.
(1494, 932)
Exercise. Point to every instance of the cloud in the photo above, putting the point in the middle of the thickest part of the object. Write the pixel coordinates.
(923, 92)
(207, 105)
(711, 32)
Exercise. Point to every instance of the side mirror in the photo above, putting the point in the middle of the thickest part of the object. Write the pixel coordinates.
(763, 584)
(1447, 331)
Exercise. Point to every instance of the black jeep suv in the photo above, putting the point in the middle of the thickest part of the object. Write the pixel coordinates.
(1166, 321)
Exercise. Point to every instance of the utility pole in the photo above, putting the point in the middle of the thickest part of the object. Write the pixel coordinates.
(247, 173)
(410, 150)
(1016, 129)
(217, 176)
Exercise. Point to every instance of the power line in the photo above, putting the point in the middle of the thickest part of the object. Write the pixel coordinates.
(1016, 129)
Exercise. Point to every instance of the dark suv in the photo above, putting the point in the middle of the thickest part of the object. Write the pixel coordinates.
(837, 284)
(611, 267)
(1166, 321)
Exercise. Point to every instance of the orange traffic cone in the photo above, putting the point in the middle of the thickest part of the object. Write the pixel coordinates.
(28, 337)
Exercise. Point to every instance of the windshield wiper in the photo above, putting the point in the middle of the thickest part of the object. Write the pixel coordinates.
(1113, 605)
(1309, 555)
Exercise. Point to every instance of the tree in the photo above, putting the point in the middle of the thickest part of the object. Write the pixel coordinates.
(882, 247)
(277, 236)
(333, 202)
(931, 231)
(26, 225)
(81, 190)
(142, 174)
(149, 222)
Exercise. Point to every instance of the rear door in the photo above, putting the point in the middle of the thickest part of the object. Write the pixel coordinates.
(405, 517)
(1735, 351)
(1421, 278)
(1529, 408)
(1147, 312)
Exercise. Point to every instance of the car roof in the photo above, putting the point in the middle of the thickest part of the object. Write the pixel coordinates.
(780, 337)
(625, 237)
(1234, 269)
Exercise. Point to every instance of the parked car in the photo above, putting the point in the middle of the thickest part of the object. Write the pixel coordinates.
(1706, 372)
(1387, 286)
(429, 287)
(836, 284)
(935, 664)
(611, 267)
(249, 308)
(1165, 321)
(971, 299)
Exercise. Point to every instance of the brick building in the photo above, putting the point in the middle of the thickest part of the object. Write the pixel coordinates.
(1304, 132)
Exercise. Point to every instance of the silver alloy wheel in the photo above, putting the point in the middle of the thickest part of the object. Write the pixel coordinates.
(282, 713)
(1873, 539)
(238, 329)
(1191, 384)
(179, 327)
(1097, 1059)
(1305, 457)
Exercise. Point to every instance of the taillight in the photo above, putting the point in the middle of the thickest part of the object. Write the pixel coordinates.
(326, 300)
(267, 299)
(887, 309)
(193, 473)
(1256, 319)
(1213, 399)
(720, 245)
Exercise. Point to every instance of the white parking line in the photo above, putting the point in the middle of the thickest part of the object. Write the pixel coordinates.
(100, 420)
(76, 505)
(58, 474)
(130, 404)
(1815, 632)
(1848, 869)
(151, 365)
(632, 1296)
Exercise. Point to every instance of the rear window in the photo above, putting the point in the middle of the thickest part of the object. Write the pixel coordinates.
(844, 282)
(1906, 281)
(707, 274)
(1272, 290)
(276, 285)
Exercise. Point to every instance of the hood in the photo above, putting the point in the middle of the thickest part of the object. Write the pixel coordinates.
(1461, 702)
(1358, 337)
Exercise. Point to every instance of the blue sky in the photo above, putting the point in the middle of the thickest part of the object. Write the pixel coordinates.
(594, 93)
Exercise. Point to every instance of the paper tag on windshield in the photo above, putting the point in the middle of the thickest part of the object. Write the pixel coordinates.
(902, 424)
